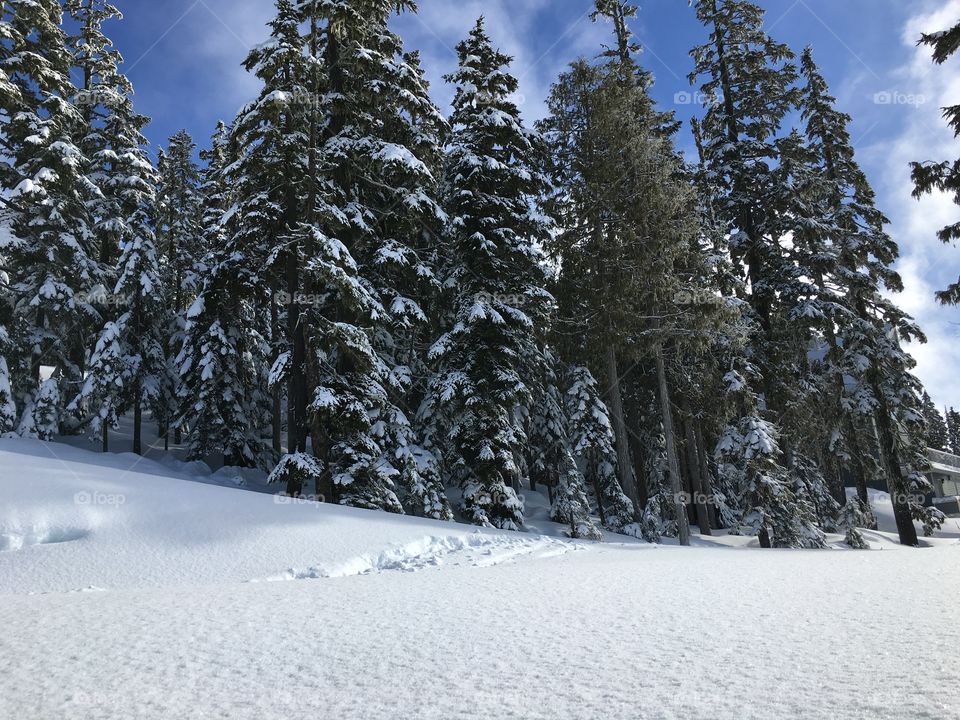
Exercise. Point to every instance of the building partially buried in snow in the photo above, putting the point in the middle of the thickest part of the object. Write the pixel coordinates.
(945, 476)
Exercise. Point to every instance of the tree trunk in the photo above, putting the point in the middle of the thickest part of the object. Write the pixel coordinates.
(896, 484)
(706, 481)
(598, 492)
(137, 423)
(106, 437)
(699, 496)
(624, 468)
(633, 416)
(275, 421)
(679, 507)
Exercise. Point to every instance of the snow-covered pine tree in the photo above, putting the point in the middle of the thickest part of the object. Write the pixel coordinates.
(571, 506)
(367, 202)
(592, 444)
(8, 408)
(943, 176)
(43, 420)
(548, 435)
(179, 219)
(953, 430)
(179, 229)
(851, 257)
(751, 82)
(215, 195)
(749, 449)
(251, 196)
(180, 243)
(111, 127)
(750, 79)
(551, 461)
(128, 366)
(47, 249)
(937, 435)
(489, 357)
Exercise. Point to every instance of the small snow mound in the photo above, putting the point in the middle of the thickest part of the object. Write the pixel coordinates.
(10, 541)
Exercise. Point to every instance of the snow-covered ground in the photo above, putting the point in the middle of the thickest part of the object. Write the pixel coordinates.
(129, 590)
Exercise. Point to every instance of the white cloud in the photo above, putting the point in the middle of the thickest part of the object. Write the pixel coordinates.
(927, 265)
(515, 28)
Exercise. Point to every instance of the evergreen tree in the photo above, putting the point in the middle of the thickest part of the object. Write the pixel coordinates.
(356, 255)
(128, 366)
(489, 356)
(850, 256)
(178, 223)
(41, 419)
(943, 176)
(180, 246)
(552, 462)
(250, 198)
(953, 430)
(937, 434)
(592, 444)
(8, 408)
(47, 250)
(627, 247)
(772, 508)
(758, 174)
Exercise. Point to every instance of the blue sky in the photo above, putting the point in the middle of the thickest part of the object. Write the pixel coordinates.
(184, 59)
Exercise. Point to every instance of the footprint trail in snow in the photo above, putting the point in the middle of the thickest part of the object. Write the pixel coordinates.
(475, 550)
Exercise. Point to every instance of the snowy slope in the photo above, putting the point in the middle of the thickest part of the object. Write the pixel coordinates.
(79, 518)
(210, 602)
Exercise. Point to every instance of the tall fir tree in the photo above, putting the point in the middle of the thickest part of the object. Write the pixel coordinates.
(849, 254)
(628, 255)
(47, 250)
(937, 434)
(180, 242)
(368, 200)
(128, 367)
(489, 356)
(953, 430)
(750, 82)
(251, 197)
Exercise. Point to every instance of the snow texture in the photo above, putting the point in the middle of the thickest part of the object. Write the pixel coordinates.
(126, 591)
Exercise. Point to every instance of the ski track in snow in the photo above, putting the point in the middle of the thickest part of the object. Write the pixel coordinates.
(475, 550)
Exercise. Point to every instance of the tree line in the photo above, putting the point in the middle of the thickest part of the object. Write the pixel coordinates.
(398, 310)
